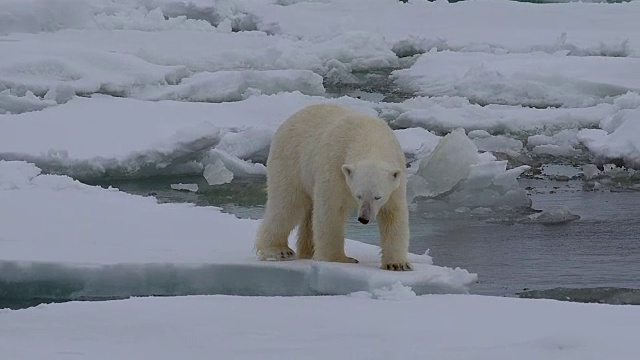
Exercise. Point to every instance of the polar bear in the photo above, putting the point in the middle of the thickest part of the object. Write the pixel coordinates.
(324, 162)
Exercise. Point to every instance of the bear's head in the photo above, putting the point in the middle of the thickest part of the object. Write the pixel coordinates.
(371, 184)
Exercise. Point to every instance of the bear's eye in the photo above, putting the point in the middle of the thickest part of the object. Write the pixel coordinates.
(378, 197)
(359, 197)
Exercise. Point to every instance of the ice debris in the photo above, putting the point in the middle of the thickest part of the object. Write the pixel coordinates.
(613, 177)
(448, 163)
(216, 173)
(185, 187)
(454, 172)
(553, 215)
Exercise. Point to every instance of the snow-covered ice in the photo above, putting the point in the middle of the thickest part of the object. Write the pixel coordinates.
(44, 66)
(549, 28)
(225, 51)
(531, 79)
(381, 325)
(447, 113)
(110, 243)
(562, 143)
(620, 140)
(418, 26)
(139, 63)
(106, 136)
(234, 50)
(230, 85)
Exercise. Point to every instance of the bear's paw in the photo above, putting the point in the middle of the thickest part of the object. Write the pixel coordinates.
(337, 259)
(398, 266)
(276, 254)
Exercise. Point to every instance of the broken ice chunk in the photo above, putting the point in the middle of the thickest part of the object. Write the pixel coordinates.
(238, 167)
(478, 134)
(416, 141)
(61, 94)
(556, 150)
(339, 73)
(417, 186)
(185, 187)
(216, 173)
(590, 171)
(12, 104)
(499, 143)
(482, 175)
(553, 215)
(251, 143)
(449, 162)
(509, 177)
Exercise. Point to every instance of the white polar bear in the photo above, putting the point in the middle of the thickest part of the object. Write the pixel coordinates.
(324, 161)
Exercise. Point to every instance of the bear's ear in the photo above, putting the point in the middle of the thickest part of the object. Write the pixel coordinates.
(347, 170)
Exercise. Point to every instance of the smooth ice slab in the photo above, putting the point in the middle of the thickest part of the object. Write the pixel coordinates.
(533, 79)
(386, 324)
(91, 242)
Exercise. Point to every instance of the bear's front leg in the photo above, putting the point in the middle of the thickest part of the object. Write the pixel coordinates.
(272, 242)
(329, 220)
(393, 222)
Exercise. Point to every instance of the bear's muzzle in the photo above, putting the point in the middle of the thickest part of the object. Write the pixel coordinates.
(364, 212)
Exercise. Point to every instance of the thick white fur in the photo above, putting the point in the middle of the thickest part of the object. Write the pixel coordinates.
(321, 159)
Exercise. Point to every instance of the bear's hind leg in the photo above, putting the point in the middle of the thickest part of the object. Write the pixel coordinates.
(304, 244)
(280, 218)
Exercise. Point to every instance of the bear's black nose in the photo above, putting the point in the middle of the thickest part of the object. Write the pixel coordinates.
(363, 220)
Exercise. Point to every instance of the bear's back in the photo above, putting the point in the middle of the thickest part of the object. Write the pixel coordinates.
(333, 135)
